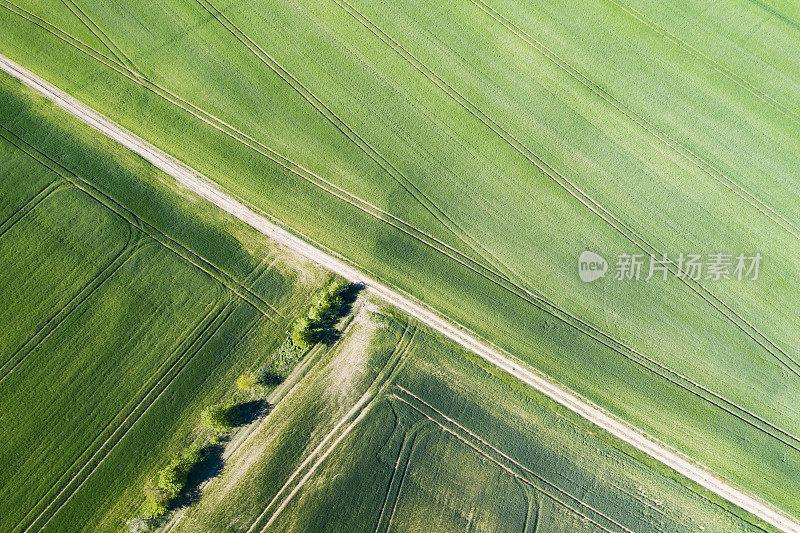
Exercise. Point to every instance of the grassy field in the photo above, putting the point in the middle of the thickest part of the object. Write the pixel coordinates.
(126, 310)
(427, 438)
(467, 152)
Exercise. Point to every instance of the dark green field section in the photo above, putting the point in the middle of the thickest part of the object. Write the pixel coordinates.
(123, 315)
(438, 442)
(468, 151)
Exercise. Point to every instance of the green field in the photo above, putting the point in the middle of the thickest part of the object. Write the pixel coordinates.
(126, 310)
(439, 442)
(467, 152)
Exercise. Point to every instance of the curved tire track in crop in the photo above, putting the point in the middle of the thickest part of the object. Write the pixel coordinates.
(517, 470)
(151, 231)
(501, 359)
(519, 291)
(337, 433)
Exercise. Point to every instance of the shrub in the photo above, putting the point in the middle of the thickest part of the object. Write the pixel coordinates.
(216, 419)
(303, 333)
(155, 501)
(246, 381)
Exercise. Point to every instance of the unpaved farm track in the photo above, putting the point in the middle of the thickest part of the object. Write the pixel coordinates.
(327, 259)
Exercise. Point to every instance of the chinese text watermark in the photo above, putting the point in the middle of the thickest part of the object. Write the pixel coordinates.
(644, 267)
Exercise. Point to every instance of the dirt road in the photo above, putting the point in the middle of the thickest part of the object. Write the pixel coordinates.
(249, 214)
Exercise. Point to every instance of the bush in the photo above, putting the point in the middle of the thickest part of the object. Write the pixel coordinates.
(247, 381)
(321, 315)
(170, 481)
(303, 338)
(216, 419)
(155, 501)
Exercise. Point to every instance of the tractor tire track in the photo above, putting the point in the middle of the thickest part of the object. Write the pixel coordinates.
(146, 389)
(777, 13)
(396, 175)
(522, 472)
(626, 231)
(679, 148)
(501, 359)
(300, 171)
(354, 415)
(393, 493)
(101, 36)
(28, 206)
(230, 282)
(722, 69)
(186, 357)
(400, 467)
(221, 125)
(70, 306)
(741, 413)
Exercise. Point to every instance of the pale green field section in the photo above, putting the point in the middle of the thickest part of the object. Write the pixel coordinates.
(468, 151)
(126, 309)
(395, 430)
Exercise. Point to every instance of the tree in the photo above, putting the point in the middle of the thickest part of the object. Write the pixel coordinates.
(303, 334)
(155, 502)
(172, 478)
(246, 381)
(303, 338)
(216, 419)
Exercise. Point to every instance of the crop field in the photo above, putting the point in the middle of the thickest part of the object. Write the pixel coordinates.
(426, 438)
(117, 330)
(467, 152)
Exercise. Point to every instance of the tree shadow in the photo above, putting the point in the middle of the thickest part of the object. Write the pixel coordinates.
(270, 378)
(208, 467)
(244, 413)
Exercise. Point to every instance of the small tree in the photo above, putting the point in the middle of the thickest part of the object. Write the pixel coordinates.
(247, 381)
(216, 419)
(155, 501)
(316, 313)
(172, 478)
(303, 334)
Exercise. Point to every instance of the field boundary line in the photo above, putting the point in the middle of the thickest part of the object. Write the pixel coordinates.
(200, 341)
(502, 359)
(242, 435)
(522, 468)
(308, 362)
(575, 191)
